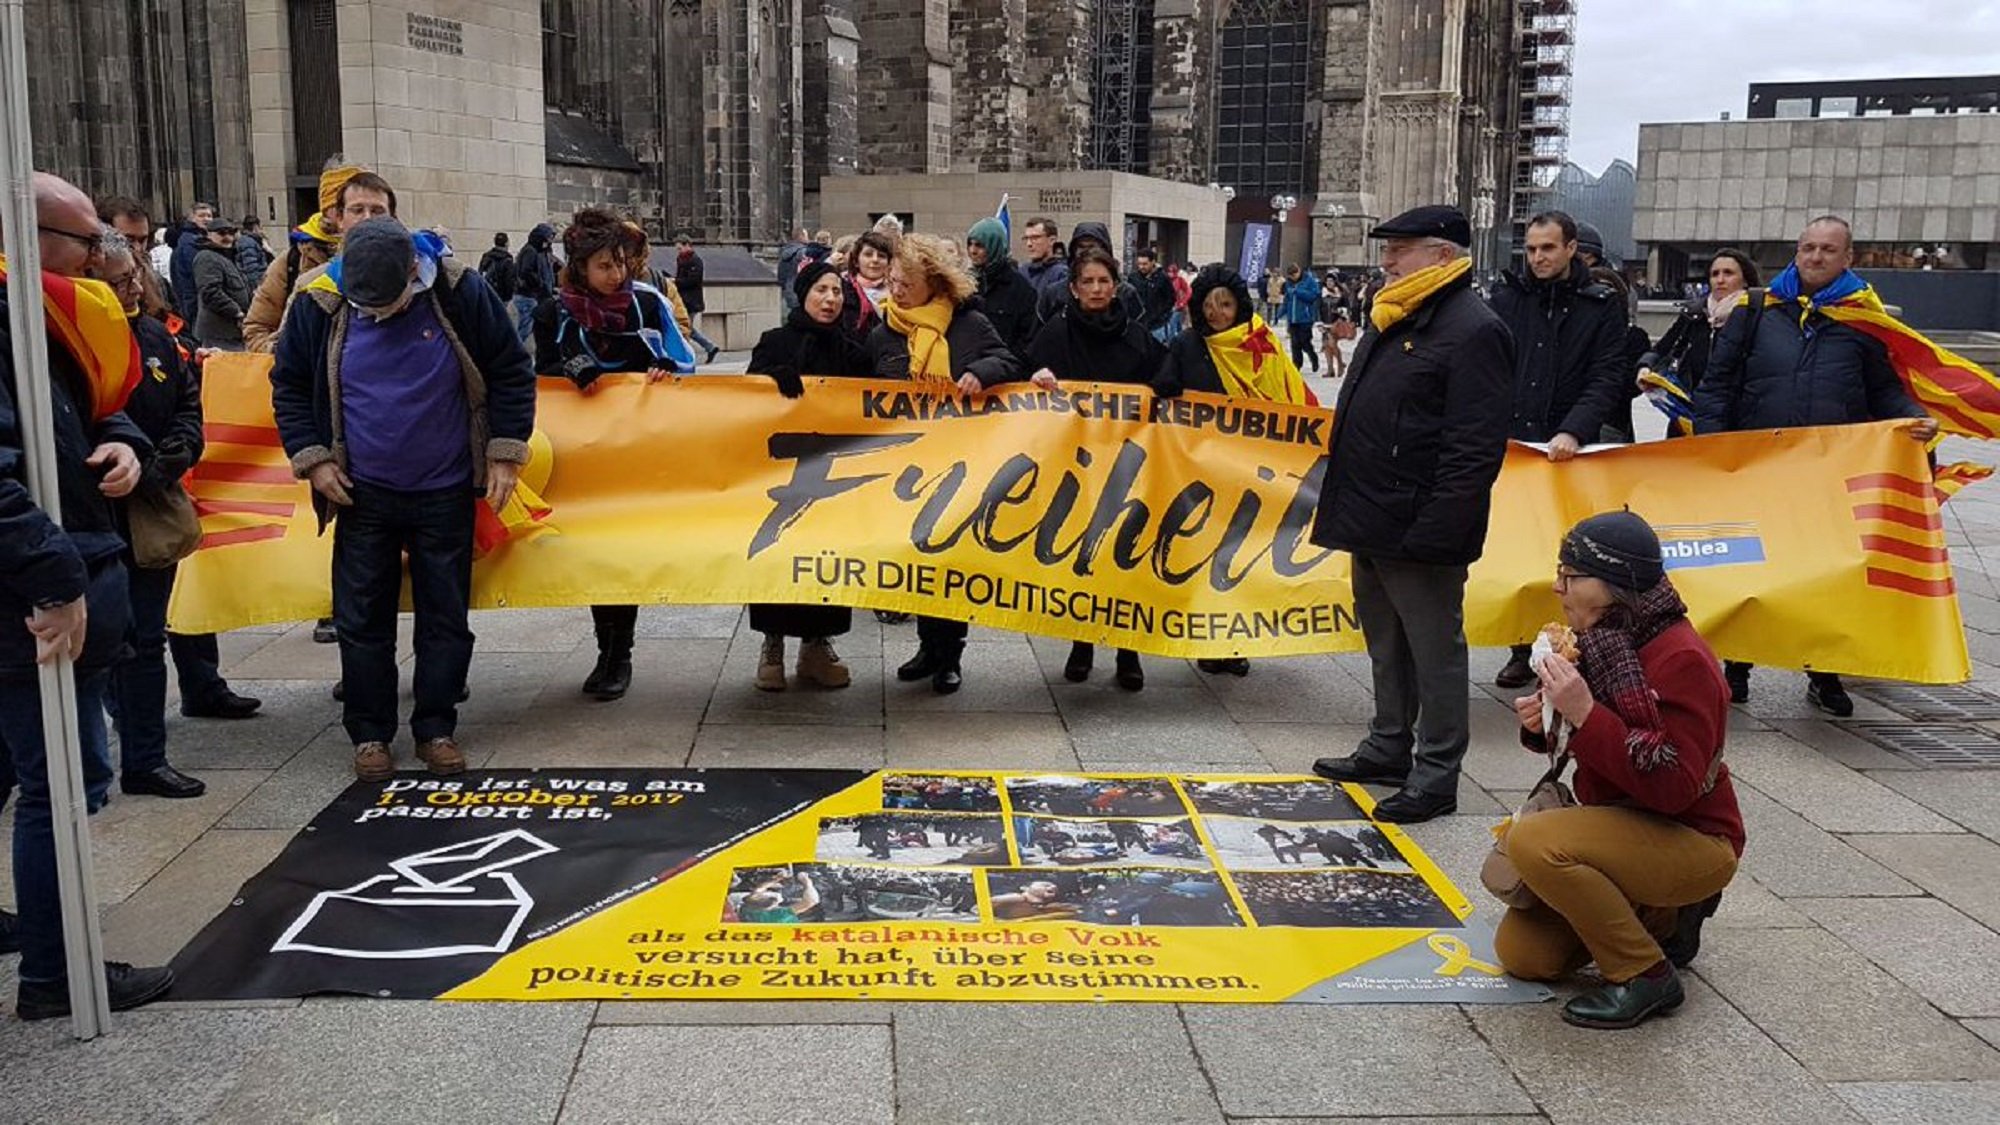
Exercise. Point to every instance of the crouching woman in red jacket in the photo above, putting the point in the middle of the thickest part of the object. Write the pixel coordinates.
(1625, 877)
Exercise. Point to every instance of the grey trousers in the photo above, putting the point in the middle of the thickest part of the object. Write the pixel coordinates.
(1413, 616)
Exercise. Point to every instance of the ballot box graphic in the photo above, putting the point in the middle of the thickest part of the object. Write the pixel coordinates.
(444, 902)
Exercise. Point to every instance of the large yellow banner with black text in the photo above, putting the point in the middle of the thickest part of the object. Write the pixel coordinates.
(1097, 512)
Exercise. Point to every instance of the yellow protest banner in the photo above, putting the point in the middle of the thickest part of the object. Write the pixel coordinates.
(1099, 513)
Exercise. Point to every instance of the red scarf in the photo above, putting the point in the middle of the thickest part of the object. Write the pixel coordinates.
(596, 312)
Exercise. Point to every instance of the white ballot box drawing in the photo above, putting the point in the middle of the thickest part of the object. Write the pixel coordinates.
(440, 903)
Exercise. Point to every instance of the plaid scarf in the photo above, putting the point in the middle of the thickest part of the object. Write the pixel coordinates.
(1610, 665)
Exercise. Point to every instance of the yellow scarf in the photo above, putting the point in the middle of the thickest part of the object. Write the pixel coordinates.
(923, 326)
(1252, 365)
(1399, 299)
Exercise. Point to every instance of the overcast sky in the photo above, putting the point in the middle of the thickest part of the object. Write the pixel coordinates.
(1689, 60)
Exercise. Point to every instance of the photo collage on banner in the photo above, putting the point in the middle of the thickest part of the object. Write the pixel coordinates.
(1111, 851)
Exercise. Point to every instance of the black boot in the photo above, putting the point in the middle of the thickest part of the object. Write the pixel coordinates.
(922, 666)
(611, 678)
(1685, 941)
(1516, 673)
(126, 987)
(1825, 691)
(1615, 1007)
(1077, 668)
(947, 678)
(1736, 674)
(1131, 677)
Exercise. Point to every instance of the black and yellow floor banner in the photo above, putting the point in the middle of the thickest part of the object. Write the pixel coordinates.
(692, 884)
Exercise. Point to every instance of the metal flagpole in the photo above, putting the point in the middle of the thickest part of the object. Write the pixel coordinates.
(90, 1005)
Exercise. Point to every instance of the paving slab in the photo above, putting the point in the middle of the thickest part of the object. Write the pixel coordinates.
(1750, 905)
(1020, 1062)
(1491, 1119)
(674, 622)
(668, 677)
(1779, 694)
(556, 630)
(1052, 653)
(153, 924)
(773, 745)
(451, 1064)
(1304, 1060)
(1793, 857)
(164, 1067)
(737, 700)
(919, 740)
(1923, 1103)
(1945, 956)
(1988, 1030)
(1825, 792)
(1293, 747)
(132, 838)
(295, 793)
(1184, 723)
(1844, 1019)
(1969, 797)
(622, 738)
(724, 1075)
(624, 1013)
(1300, 689)
(1706, 1063)
(1962, 870)
(294, 713)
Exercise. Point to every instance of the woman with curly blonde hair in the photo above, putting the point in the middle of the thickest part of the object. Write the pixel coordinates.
(929, 337)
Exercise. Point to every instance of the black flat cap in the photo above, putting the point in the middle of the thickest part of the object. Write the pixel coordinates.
(1435, 221)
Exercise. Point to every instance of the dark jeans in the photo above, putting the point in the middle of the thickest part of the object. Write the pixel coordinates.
(1302, 346)
(25, 767)
(1413, 618)
(942, 633)
(137, 694)
(370, 538)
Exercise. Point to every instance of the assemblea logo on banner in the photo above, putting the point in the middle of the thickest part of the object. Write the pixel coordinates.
(1710, 544)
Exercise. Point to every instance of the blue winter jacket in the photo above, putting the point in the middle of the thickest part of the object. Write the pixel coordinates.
(1301, 303)
(1768, 371)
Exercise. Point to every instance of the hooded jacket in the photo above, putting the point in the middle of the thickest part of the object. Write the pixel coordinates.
(535, 267)
(1053, 299)
(1571, 374)
(1188, 365)
(312, 246)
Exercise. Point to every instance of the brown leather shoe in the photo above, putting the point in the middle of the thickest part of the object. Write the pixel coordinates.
(820, 665)
(373, 762)
(442, 756)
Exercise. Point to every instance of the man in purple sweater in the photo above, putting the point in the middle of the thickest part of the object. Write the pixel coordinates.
(403, 394)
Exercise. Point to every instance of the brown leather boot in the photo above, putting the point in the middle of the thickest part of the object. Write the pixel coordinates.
(820, 665)
(442, 755)
(771, 664)
(373, 762)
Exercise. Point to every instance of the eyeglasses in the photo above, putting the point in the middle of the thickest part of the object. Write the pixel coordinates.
(128, 280)
(1563, 577)
(89, 242)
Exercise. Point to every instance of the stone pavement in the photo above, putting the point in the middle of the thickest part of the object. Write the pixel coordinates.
(1846, 979)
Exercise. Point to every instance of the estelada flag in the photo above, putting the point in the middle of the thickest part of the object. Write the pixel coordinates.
(86, 319)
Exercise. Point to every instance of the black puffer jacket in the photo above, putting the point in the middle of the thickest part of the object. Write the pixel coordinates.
(802, 346)
(1054, 297)
(1008, 300)
(1571, 375)
(975, 348)
(1419, 434)
(1107, 348)
(1768, 371)
(1188, 366)
(166, 404)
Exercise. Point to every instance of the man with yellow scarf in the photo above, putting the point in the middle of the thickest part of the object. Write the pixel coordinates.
(1418, 437)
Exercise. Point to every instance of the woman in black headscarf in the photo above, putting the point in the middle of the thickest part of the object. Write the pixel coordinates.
(814, 340)
(1095, 338)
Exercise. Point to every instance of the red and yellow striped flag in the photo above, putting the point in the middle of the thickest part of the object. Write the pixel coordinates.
(87, 320)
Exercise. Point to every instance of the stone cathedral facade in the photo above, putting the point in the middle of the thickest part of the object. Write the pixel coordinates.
(723, 117)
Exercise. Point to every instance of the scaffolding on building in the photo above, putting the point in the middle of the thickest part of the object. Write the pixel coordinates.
(1114, 86)
(1546, 37)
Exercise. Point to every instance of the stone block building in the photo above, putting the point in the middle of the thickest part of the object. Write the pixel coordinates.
(727, 118)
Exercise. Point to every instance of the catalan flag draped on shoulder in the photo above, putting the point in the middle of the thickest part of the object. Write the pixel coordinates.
(1963, 396)
(87, 320)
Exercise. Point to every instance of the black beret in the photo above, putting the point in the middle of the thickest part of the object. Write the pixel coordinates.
(1434, 221)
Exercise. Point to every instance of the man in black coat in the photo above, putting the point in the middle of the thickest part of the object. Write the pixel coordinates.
(1418, 437)
(1156, 293)
(1570, 367)
(1789, 365)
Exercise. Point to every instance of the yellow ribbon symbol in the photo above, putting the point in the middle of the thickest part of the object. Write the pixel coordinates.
(1458, 957)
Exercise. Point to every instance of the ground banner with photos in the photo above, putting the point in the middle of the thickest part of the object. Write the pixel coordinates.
(691, 884)
(1176, 527)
